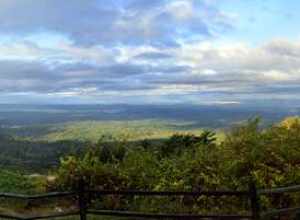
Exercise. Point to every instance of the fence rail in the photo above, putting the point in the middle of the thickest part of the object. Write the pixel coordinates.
(171, 193)
(280, 190)
(40, 196)
(165, 216)
(54, 215)
(83, 210)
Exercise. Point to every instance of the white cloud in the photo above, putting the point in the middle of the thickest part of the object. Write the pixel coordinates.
(193, 69)
(181, 9)
(276, 75)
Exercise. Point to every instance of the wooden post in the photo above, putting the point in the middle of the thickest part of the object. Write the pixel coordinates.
(254, 198)
(297, 216)
(81, 199)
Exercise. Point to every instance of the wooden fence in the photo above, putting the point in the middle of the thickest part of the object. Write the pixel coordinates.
(83, 210)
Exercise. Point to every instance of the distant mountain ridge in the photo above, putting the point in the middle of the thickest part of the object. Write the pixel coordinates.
(213, 116)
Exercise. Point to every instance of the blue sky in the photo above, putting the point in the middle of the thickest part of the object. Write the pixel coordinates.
(141, 51)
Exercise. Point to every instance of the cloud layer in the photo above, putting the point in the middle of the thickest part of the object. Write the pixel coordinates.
(108, 22)
(137, 51)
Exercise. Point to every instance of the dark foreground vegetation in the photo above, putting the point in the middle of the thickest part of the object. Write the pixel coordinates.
(269, 157)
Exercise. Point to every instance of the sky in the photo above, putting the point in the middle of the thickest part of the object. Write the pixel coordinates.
(143, 52)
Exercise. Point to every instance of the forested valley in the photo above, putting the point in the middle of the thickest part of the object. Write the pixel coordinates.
(248, 152)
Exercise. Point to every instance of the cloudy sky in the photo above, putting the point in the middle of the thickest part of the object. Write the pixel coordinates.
(149, 51)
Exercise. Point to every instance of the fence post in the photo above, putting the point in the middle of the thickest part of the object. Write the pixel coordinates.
(254, 198)
(81, 199)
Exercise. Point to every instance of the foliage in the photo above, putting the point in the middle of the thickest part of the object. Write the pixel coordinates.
(35, 156)
(13, 181)
(269, 156)
(91, 170)
(37, 148)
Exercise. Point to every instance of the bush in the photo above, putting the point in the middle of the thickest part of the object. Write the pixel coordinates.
(269, 156)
